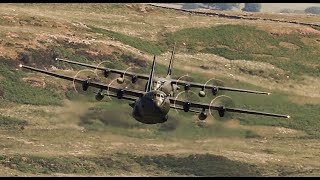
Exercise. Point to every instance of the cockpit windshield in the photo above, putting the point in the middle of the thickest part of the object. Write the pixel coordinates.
(160, 96)
(158, 85)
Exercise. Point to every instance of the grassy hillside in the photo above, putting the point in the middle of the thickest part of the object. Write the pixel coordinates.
(49, 129)
(294, 53)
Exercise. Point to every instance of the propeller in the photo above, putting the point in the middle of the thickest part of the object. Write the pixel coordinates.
(121, 83)
(106, 71)
(85, 84)
(222, 102)
(215, 90)
(187, 95)
(99, 95)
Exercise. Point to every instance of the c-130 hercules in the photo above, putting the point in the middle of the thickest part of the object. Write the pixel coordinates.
(152, 106)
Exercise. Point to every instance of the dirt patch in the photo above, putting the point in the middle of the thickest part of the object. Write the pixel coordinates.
(20, 140)
(140, 8)
(312, 64)
(308, 30)
(171, 28)
(35, 82)
(310, 41)
(267, 132)
(303, 100)
(300, 30)
(104, 48)
(250, 157)
(271, 47)
(288, 45)
(258, 68)
(283, 58)
(8, 52)
(12, 35)
(283, 130)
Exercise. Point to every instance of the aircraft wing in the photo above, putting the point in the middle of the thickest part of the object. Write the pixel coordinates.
(203, 86)
(86, 83)
(186, 105)
(116, 71)
(173, 81)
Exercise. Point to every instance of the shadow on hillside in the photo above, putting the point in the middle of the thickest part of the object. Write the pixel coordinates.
(199, 165)
(192, 165)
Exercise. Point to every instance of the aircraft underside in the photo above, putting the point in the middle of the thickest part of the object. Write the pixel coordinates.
(148, 113)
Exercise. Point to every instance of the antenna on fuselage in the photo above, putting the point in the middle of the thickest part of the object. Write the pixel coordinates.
(150, 82)
(171, 61)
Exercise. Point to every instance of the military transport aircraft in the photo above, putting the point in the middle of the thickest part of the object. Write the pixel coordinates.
(166, 84)
(152, 106)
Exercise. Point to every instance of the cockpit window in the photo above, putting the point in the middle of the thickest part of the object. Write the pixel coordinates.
(158, 85)
(161, 97)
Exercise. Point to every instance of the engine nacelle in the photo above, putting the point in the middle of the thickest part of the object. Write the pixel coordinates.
(202, 93)
(120, 80)
(106, 72)
(99, 96)
(134, 79)
(203, 116)
(85, 85)
(186, 87)
(186, 106)
(120, 93)
(215, 90)
(221, 111)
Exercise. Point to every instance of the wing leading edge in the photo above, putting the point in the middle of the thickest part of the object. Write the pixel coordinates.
(85, 82)
(116, 71)
(186, 105)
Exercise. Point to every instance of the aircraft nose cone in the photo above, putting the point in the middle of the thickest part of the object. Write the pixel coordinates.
(158, 103)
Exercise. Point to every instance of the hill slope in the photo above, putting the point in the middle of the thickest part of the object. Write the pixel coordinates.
(49, 129)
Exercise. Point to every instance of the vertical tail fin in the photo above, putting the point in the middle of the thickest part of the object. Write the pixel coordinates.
(150, 80)
(171, 61)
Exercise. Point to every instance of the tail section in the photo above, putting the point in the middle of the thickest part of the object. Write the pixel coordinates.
(171, 61)
(150, 80)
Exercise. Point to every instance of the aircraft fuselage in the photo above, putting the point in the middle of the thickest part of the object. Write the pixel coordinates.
(152, 108)
(165, 85)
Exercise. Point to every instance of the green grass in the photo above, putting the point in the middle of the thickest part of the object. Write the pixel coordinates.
(200, 165)
(143, 45)
(316, 27)
(243, 42)
(303, 117)
(11, 122)
(16, 90)
(126, 163)
(45, 165)
(96, 7)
